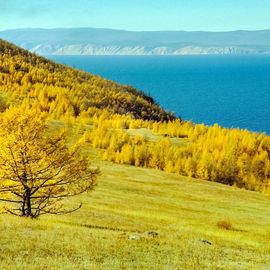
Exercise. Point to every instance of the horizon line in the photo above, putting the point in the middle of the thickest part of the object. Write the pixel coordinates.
(124, 30)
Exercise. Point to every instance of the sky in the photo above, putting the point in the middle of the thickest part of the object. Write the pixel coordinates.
(138, 15)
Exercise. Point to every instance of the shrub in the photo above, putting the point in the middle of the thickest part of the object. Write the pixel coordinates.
(224, 225)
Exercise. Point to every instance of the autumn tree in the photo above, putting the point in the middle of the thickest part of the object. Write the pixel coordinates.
(38, 170)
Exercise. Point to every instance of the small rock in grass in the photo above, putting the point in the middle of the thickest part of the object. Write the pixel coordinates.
(205, 241)
(134, 237)
(153, 234)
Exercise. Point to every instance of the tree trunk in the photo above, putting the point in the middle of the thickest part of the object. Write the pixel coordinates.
(27, 210)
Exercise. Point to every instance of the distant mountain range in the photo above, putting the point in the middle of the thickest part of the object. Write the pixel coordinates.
(93, 41)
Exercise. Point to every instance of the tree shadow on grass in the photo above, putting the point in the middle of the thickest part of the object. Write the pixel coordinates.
(98, 227)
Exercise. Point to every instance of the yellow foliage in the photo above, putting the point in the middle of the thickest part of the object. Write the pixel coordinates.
(233, 157)
(36, 170)
(66, 92)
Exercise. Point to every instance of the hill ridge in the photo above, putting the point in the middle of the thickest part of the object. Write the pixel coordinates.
(63, 90)
(103, 41)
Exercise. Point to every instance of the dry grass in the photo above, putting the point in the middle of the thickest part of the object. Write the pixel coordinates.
(154, 137)
(132, 201)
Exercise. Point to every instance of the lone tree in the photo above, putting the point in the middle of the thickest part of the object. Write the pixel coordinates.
(38, 170)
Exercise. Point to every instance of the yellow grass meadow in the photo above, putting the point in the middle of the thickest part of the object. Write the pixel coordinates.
(138, 218)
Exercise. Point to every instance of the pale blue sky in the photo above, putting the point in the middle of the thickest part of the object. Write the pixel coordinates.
(208, 15)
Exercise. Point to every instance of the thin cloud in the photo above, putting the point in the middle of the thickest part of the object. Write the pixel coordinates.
(5, 5)
(21, 8)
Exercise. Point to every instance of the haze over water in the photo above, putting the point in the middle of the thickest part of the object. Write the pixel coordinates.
(233, 91)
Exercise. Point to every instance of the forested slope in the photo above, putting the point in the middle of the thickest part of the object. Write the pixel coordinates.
(230, 156)
(66, 92)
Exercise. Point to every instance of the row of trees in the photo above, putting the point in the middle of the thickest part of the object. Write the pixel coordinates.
(233, 157)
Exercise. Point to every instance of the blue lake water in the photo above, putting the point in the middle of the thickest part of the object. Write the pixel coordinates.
(233, 91)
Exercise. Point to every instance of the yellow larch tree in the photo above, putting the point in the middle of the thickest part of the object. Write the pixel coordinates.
(38, 170)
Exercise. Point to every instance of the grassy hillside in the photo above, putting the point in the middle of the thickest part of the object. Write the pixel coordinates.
(111, 230)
